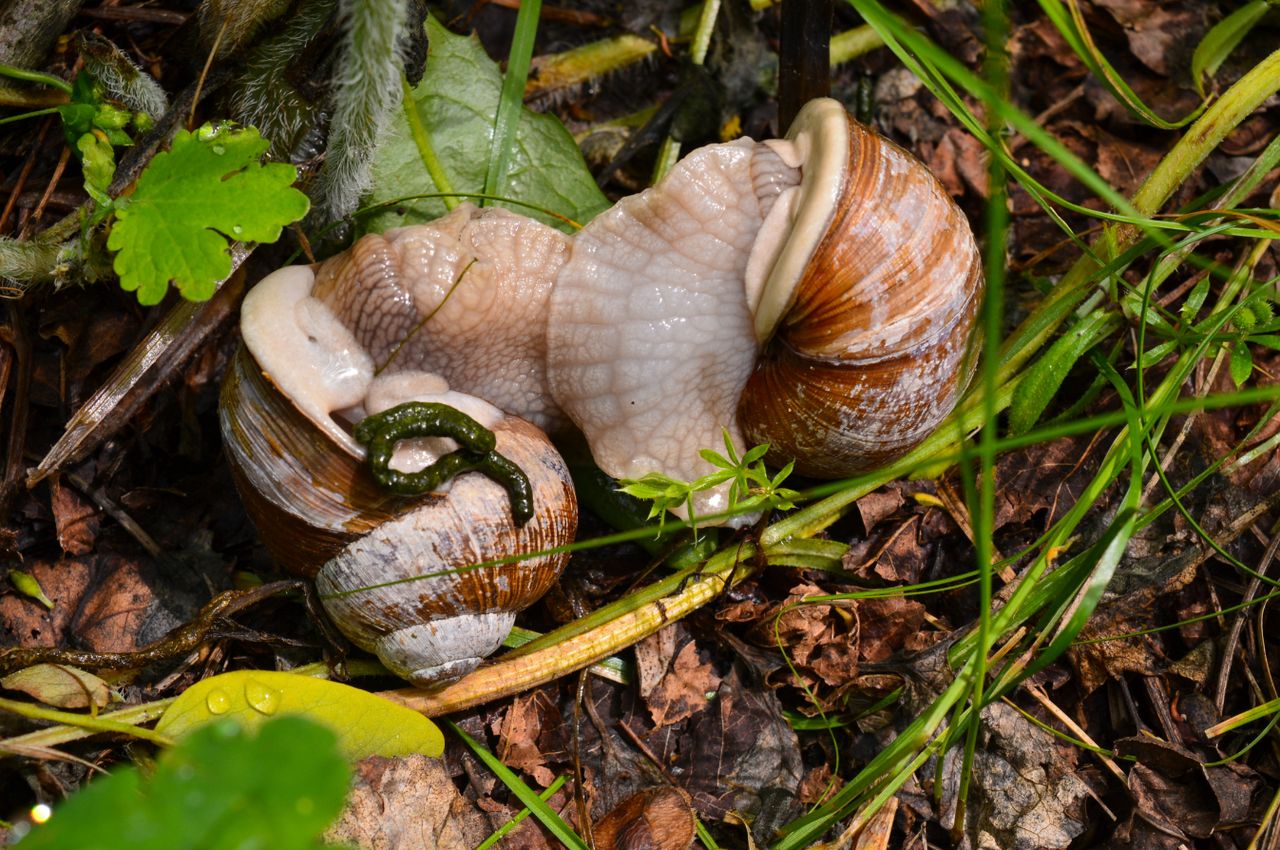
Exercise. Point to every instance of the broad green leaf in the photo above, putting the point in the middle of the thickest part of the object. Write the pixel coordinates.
(1226, 34)
(366, 725)
(222, 788)
(456, 102)
(210, 186)
(59, 685)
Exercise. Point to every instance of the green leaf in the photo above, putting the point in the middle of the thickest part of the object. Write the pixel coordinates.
(1043, 379)
(1195, 300)
(98, 159)
(456, 102)
(1241, 363)
(221, 788)
(1269, 340)
(365, 724)
(207, 188)
(1218, 43)
(26, 584)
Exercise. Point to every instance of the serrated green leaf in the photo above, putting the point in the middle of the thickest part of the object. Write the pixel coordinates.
(365, 724)
(210, 186)
(59, 685)
(457, 100)
(219, 789)
(1241, 363)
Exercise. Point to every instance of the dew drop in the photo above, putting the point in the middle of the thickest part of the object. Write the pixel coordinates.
(219, 150)
(217, 701)
(263, 698)
(237, 229)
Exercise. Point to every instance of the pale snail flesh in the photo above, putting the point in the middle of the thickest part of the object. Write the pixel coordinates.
(817, 293)
(421, 582)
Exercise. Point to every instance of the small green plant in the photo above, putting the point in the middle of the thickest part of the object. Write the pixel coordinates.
(221, 787)
(750, 486)
(210, 186)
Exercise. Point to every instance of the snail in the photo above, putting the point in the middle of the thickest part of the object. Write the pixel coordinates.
(816, 293)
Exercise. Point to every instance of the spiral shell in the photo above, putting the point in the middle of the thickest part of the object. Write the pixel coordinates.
(872, 351)
(431, 584)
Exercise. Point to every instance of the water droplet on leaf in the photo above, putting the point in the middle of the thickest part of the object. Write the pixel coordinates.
(263, 698)
(219, 150)
(217, 701)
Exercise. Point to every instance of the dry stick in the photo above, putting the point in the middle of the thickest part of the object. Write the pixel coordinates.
(1078, 731)
(1233, 637)
(513, 675)
(180, 641)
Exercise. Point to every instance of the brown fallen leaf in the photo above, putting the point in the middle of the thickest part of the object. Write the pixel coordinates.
(522, 726)
(685, 690)
(652, 819)
(409, 804)
(75, 518)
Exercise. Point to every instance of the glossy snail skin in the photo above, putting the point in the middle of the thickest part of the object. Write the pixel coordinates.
(817, 293)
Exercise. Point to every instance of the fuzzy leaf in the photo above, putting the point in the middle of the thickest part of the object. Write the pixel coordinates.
(366, 725)
(207, 188)
(219, 789)
(457, 100)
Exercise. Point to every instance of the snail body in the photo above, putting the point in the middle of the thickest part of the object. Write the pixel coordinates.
(816, 293)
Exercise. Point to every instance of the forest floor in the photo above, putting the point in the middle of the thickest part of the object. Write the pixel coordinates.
(766, 702)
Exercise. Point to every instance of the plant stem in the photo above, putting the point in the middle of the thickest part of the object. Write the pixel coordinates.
(83, 721)
(425, 149)
(30, 76)
(688, 590)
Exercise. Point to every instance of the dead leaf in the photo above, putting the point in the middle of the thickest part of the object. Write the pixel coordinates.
(522, 725)
(60, 686)
(409, 804)
(685, 690)
(875, 507)
(1161, 35)
(653, 657)
(652, 819)
(75, 518)
(1024, 795)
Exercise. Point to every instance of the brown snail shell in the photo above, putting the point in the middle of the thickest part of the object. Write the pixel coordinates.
(817, 293)
(431, 584)
(873, 350)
